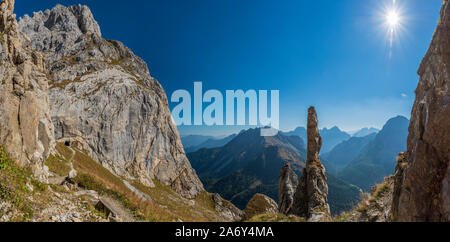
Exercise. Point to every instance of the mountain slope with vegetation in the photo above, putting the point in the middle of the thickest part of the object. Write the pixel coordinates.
(341, 155)
(377, 160)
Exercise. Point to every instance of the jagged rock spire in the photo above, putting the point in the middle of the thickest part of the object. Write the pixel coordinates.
(311, 196)
(314, 139)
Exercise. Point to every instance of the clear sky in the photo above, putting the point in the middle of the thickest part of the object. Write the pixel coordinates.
(333, 54)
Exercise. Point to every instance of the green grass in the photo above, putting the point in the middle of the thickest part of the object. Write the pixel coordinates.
(344, 217)
(165, 196)
(275, 218)
(88, 182)
(166, 204)
(93, 176)
(380, 190)
(13, 187)
(257, 205)
(64, 151)
(58, 165)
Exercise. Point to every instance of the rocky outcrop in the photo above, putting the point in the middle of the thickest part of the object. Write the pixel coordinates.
(422, 189)
(377, 206)
(260, 204)
(102, 95)
(286, 188)
(311, 196)
(26, 130)
(226, 209)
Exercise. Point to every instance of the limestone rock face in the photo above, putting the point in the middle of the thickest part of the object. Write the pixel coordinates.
(422, 189)
(26, 130)
(102, 95)
(260, 204)
(311, 196)
(286, 188)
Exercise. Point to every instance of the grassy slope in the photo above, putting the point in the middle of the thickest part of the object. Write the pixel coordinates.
(166, 206)
(23, 198)
(369, 204)
(14, 190)
(275, 218)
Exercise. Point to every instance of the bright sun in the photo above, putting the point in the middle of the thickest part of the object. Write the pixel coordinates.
(392, 19)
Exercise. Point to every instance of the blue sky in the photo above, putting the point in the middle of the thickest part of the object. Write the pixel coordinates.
(331, 54)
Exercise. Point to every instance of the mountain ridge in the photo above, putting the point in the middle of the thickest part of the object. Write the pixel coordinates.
(208, 142)
(331, 137)
(364, 132)
(378, 158)
(250, 164)
(345, 152)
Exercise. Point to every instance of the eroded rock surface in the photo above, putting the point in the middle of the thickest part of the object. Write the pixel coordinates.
(286, 188)
(226, 209)
(102, 95)
(377, 206)
(422, 187)
(260, 204)
(26, 130)
(311, 196)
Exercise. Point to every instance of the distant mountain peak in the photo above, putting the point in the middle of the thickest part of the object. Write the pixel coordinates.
(399, 118)
(364, 132)
(395, 122)
(334, 128)
(377, 159)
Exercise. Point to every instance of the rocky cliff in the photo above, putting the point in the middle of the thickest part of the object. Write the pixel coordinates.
(26, 130)
(422, 187)
(103, 97)
(311, 196)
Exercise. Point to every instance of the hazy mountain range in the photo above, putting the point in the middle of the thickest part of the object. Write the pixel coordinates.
(331, 137)
(241, 165)
(250, 164)
(193, 143)
(364, 132)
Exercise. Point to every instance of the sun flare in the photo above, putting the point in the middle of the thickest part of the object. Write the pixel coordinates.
(393, 22)
(393, 19)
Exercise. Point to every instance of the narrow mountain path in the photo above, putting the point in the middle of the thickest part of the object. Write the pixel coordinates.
(124, 214)
(72, 155)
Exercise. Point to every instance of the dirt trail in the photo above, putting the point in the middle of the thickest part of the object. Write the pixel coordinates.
(124, 213)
